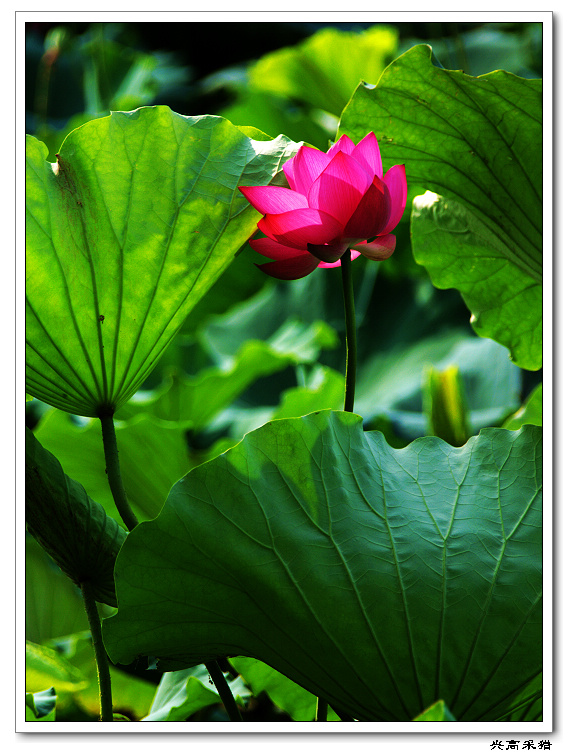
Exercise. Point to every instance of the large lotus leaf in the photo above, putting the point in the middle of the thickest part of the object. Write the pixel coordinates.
(476, 141)
(125, 233)
(381, 579)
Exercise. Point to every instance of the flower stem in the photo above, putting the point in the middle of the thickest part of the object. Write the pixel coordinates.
(113, 472)
(103, 670)
(350, 331)
(224, 690)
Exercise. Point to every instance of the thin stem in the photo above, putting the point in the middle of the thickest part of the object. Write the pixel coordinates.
(321, 709)
(350, 376)
(103, 670)
(113, 472)
(224, 690)
(350, 331)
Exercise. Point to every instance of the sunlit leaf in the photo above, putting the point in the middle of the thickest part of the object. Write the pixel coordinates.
(125, 233)
(477, 142)
(324, 70)
(45, 668)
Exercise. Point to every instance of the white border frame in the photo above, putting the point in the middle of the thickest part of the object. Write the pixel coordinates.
(408, 732)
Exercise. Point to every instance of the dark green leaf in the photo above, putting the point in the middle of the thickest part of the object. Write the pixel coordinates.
(72, 528)
(380, 579)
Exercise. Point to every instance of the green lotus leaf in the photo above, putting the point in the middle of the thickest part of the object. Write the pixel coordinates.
(476, 142)
(73, 529)
(125, 233)
(380, 579)
(461, 251)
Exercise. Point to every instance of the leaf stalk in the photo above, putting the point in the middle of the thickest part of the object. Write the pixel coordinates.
(113, 471)
(350, 331)
(224, 690)
(101, 659)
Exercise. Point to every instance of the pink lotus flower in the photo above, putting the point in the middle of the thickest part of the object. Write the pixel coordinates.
(337, 200)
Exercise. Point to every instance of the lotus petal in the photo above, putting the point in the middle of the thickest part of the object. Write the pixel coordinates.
(304, 168)
(301, 227)
(328, 252)
(380, 249)
(339, 189)
(395, 179)
(354, 256)
(367, 153)
(273, 199)
(343, 144)
(269, 248)
(291, 268)
(371, 214)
